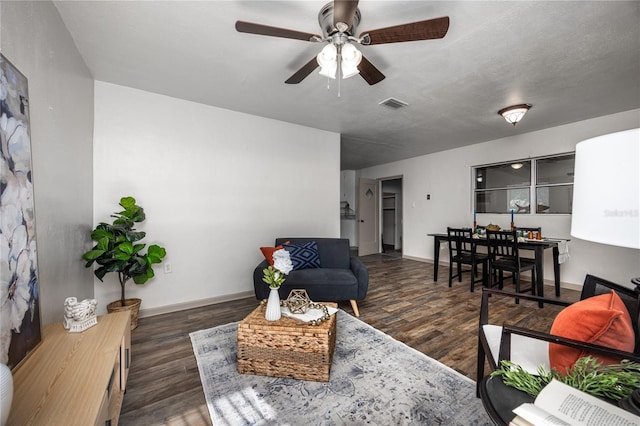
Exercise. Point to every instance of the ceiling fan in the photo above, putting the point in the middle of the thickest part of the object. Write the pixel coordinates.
(339, 21)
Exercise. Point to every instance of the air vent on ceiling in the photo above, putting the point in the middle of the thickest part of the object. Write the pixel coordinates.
(393, 103)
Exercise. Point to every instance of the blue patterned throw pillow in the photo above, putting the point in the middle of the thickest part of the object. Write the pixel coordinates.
(303, 256)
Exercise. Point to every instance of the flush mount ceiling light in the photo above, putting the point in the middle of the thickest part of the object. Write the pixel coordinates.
(516, 166)
(514, 114)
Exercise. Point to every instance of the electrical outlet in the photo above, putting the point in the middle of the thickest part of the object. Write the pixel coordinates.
(167, 268)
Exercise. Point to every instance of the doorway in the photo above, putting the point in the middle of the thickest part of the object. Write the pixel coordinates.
(391, 215)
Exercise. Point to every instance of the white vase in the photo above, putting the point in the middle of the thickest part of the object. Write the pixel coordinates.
(273, 306)
(6, 393)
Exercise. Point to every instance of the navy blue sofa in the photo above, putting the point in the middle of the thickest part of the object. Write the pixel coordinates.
(340, 276)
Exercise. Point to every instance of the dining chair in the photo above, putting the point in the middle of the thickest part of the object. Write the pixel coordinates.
(525, 231)
(530, 348)
(504, 256)
(462, 251)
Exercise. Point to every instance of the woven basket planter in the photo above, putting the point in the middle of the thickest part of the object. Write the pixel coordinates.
(131, 305)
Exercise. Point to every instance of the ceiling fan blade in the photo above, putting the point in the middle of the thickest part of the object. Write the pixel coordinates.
(423, 30)
(370, 73)
(303, 72)
(251, 28)
(343, 13)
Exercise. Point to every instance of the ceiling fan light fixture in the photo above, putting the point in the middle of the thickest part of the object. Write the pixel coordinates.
(328, 61)
(514, 114)
(351, 58)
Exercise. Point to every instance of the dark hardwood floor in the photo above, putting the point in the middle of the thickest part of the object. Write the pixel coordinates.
(403, 301)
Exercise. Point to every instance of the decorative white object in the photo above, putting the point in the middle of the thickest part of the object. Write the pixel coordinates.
(273, 306)
(606, 190)
(6, 393)
(312, 314)
(78, 316)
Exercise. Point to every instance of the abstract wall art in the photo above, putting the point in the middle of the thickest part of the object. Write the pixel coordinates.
(20, 329)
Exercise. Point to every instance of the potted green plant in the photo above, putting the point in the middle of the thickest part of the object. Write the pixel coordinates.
(118, 249)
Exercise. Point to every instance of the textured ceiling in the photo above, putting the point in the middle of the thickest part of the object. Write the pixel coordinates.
(571, 60)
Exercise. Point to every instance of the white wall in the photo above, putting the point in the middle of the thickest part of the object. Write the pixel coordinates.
(34, 39)
(447, 177)
(348, 194)
(215, 184)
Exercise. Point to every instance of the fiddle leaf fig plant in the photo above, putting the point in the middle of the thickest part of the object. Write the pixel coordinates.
(118, 248)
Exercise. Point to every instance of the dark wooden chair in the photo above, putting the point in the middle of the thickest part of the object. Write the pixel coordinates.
(530, 348)
(462, 251)
(504, 256)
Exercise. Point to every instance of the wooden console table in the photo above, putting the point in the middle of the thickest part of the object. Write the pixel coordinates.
(75, 378)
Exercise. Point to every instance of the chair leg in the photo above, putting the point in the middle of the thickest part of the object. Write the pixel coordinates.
(480, 367)
(459, 272)
(450, 272)
(485, 274)
(474, 271)
(354, 306)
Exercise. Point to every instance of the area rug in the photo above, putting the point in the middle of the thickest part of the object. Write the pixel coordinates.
(375, 379)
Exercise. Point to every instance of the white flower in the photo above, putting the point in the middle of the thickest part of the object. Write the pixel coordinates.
(4, 86)
(15, 295)
(282, 261)
(17, 143)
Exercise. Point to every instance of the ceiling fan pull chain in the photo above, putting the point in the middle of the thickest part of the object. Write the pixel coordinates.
(339, 70)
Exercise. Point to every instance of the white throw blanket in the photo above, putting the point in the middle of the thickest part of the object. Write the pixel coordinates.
(563, 251)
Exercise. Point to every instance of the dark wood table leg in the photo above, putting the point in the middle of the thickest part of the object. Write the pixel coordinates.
(556, 269)
(436, 257)
(539, 253)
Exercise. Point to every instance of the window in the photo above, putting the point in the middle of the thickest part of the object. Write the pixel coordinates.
(546, 183)
(554, 184)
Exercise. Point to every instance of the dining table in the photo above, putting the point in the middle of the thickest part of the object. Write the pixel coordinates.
(536, 246)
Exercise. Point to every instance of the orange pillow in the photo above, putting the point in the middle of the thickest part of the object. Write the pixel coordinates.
(602, 320)
(267, 252)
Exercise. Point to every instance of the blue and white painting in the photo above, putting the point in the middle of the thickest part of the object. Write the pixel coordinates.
(20, 330)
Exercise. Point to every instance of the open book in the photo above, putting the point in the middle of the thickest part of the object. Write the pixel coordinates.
(559, 404)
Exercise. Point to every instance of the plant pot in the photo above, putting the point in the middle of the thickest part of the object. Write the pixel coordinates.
(131, 305)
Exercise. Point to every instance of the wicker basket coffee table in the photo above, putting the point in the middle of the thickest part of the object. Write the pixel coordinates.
(286, 348)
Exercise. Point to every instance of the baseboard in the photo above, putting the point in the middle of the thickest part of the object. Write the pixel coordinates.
(568, 286)
(419, 259)
(193, 304)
